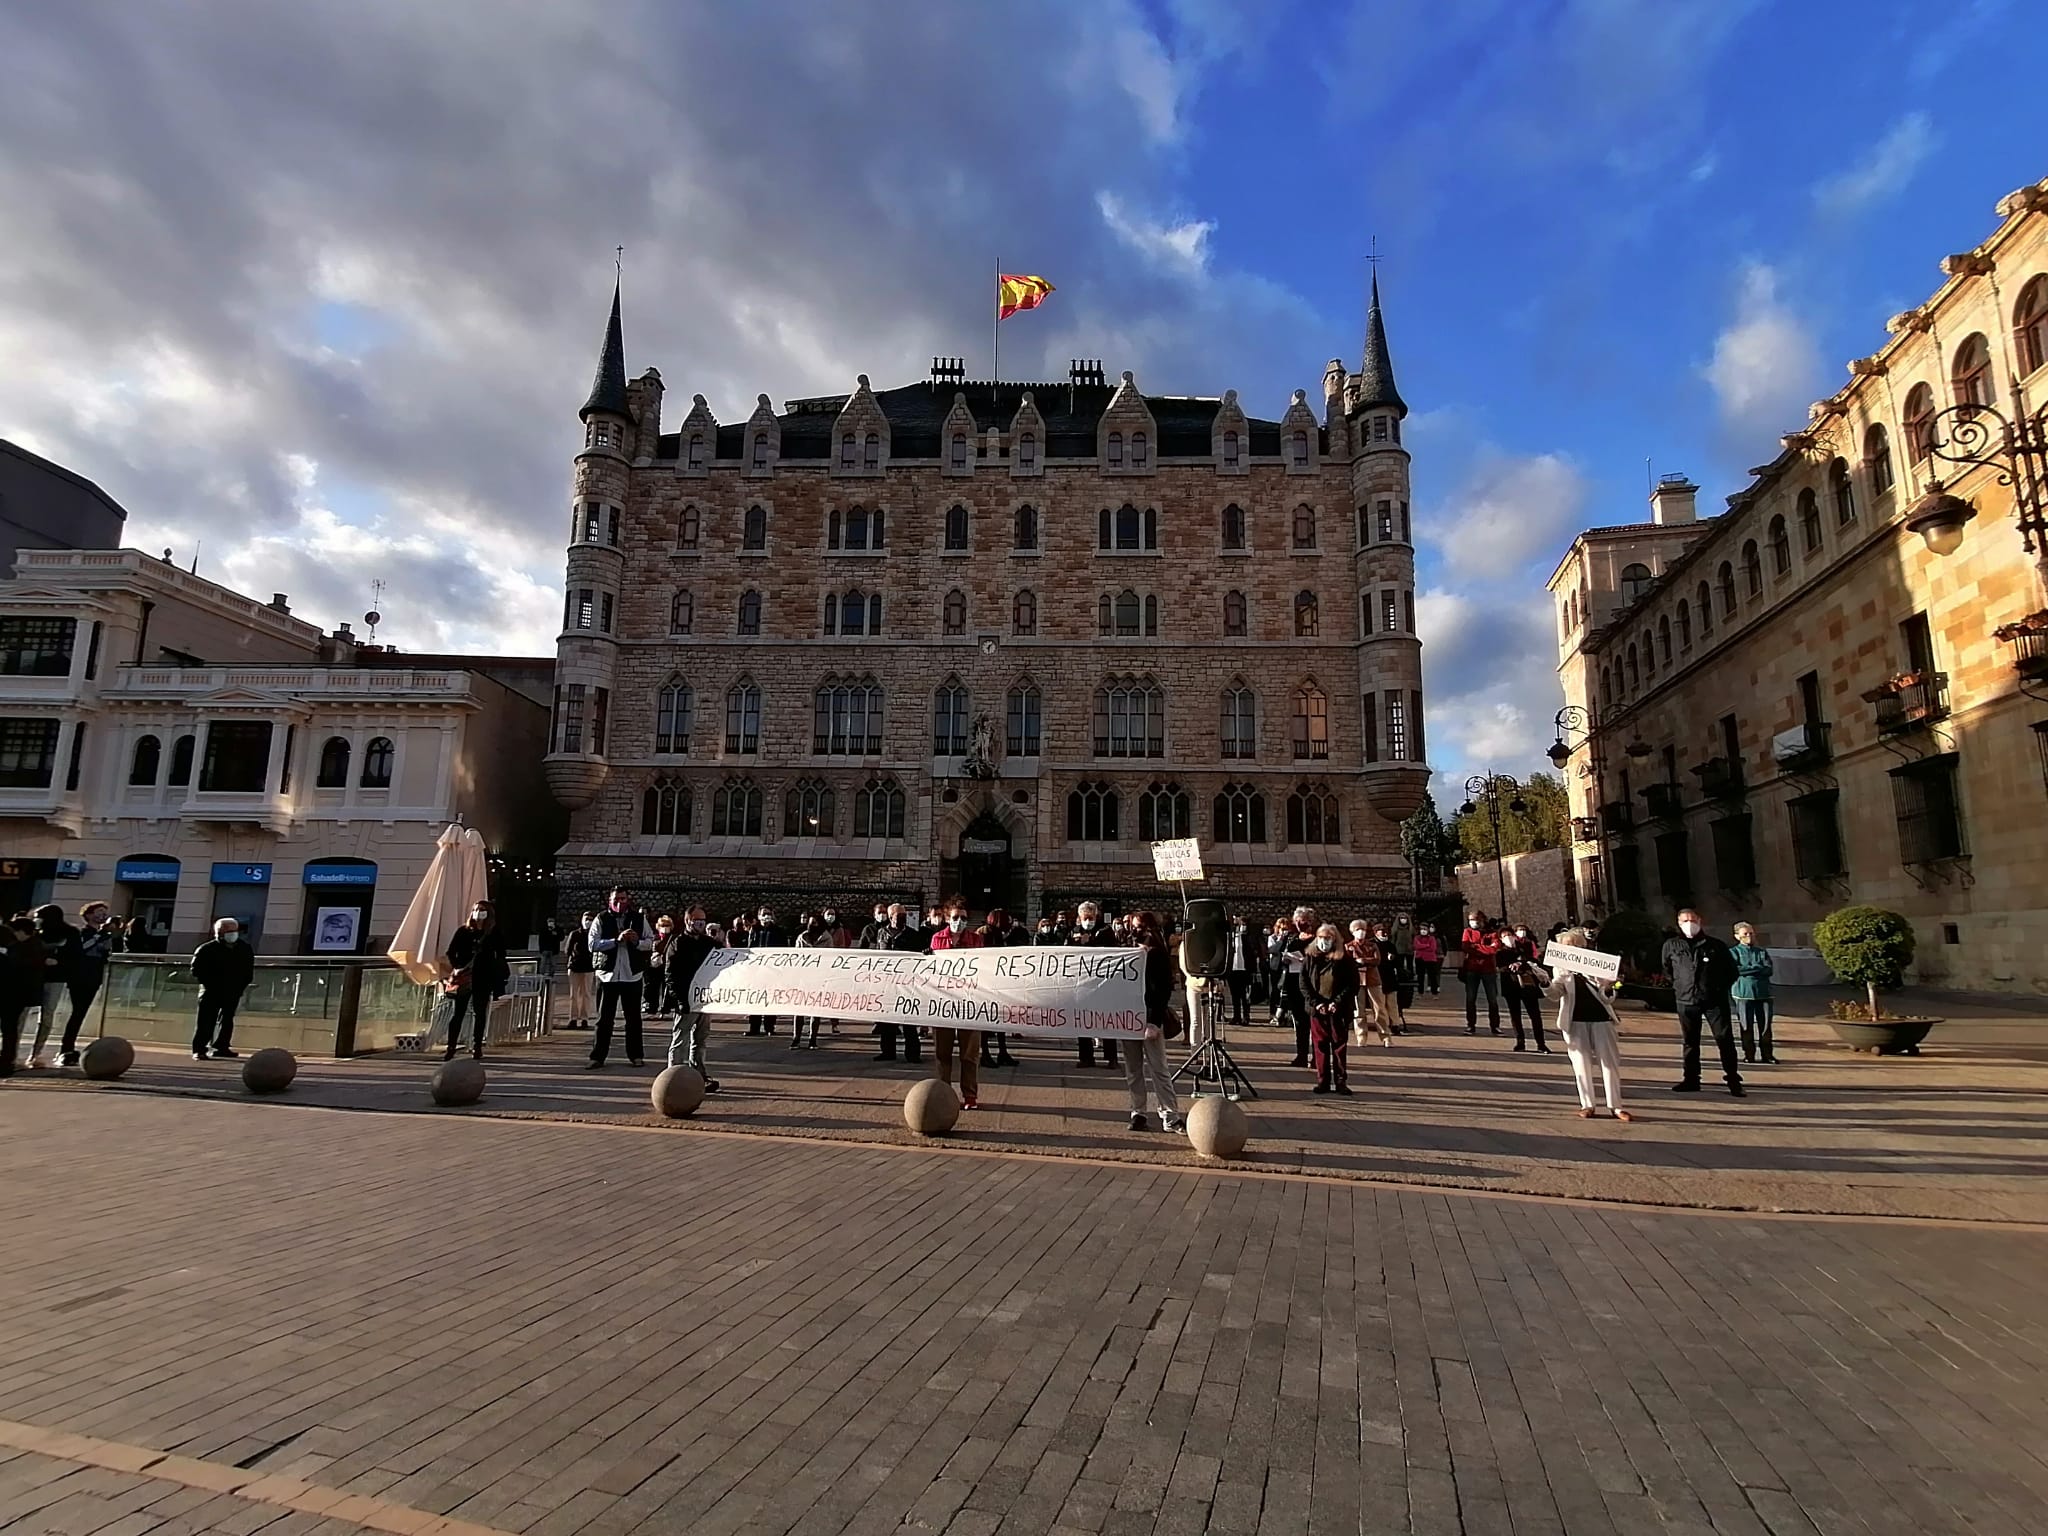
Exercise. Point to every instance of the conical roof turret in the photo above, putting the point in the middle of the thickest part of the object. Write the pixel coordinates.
(1376, 375)
(608, 388)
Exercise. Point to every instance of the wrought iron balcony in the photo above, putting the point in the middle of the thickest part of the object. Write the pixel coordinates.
(1803, 749)
(1662, 802)
(1585, 829)
(1909, 702)
(1720, 778)
(2029, 641)
(1618, 816)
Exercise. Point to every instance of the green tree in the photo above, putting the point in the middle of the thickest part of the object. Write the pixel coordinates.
(1425, 841)
(1868, 945)
(1540, 821)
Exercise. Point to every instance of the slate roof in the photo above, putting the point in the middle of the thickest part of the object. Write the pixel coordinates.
(1376, 373)
(608, 388)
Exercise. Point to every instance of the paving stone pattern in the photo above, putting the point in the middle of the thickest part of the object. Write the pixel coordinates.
(555, 1328)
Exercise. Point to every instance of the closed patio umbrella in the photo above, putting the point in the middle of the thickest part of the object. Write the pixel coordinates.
(456, 880)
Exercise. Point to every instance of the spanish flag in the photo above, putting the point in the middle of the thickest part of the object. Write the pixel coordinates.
(1014, 293)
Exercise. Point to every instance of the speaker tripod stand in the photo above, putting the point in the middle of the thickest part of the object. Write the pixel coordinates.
(1211, 1063)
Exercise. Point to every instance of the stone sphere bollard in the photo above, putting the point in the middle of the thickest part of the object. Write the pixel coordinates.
(931, 1108)
(677, 1092)
(457, 1082)
(270, 1070)
(107, 1058)
(1217, 1127)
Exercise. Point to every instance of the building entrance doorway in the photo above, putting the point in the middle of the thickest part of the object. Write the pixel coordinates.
(989, 872)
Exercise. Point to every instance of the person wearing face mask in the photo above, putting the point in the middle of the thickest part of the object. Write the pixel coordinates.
(905, 938)
(811, 934)
(1370, 955)
(691, 1030)
(1524, 981)
(1586, 1024)
(765, 934)
(1090, 932)
(1702, 973)
(1294, 952)
(223, 966)
(1429, 959)
(956, 933)
(1242, 957)
(999, 932)
(619, 938)
(1478, 968)
(654, 997)
(21, 985)
(837, 936)
(582, 974)
(1751, 995)
(1048, 934)
(478, 970)
(1329, 986)
(1144, 1061)
(62, 964)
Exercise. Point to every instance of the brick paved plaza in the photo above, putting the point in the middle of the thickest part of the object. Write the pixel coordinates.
(237, 1316)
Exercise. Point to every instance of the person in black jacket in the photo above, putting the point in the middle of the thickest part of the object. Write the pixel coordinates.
(223, 966)
(619, 939)
(1702, 972)
(1090, 932)
(1145, 1060)
(905, 937)
(21, 984)
(765, 934)
(997, 932)
(476, 956)
(1329, 990)
(691, 1031)
(582, 974)
(62, 964)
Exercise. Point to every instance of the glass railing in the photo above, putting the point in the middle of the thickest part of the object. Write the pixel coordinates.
(310, 1006)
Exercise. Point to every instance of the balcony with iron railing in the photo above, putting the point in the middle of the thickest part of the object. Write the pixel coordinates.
(1618, 817)
(1720, 778)
(1662, 802)
(1909, 702)
(2028, 638)
(1803, 749)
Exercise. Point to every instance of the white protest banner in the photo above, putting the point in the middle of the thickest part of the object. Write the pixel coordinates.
(1053, 993)
(1178, 858)
(1587, 962)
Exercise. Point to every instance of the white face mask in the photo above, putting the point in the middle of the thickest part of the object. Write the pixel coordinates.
(1690, 930)
(956, 923)
(1521, 933)
(231, 938)
(1326, 944)
(1087, 922)
(831, 917)
(1358, 933)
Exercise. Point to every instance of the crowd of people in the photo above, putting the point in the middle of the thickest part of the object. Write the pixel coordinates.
(54, 967)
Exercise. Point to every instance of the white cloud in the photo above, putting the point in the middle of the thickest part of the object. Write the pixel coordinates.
(1883, 172)
(1489, 662)
(1181, 247)
(1507, 511)
(1766, 366)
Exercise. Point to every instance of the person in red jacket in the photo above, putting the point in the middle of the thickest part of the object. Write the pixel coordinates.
(1478, 966)
(957, 935)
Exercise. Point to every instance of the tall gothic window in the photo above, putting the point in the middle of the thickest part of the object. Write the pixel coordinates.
(1919, 424)
(750, 612)
(1024, 531)
(1165, 811)
(949, 719)
(807, 809)
(953, 616)
(1304, 527)
(1130, 718)
(1306, 621)
(1230, 449)
(1139, 450)
(1024, 612)
(754, 528)
(1092, 814)
(689, 528)
(1877, 458)
(956, 527)
(736, 809)
(1238, 731)
(1971, 375)
(1312, 815)
(743, 717)
(1311, 723)
(847, 718)
(1027, 450)
(682, 612)
(1234, 621)
(1300, 442)
(1127, 528)
(1240, 815)
(673, 707)
(871, 451)
(1116, 450)
(878, 809)
(1022, 715)
(1236, 532)
(665, 809)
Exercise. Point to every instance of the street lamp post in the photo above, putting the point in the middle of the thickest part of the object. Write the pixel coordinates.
(1490, 786)
(2015, 447)
(1577, 720)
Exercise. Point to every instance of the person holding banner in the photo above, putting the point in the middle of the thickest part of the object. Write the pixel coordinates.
(998, 932)
(1586, 1021)
(1145, 1060)
(903, 937)
(691, 1031)
(1089, 933)
(955, 934)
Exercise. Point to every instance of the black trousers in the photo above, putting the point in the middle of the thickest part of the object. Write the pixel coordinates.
(1293, 1007)
(1109, 1055)
(479, 1008)
(609, 995)
(1520, 1001)
(1715, 1017)
(82, 994)
(10, 1036)
(912, 1051)
(1240, 984)
(1430, 974)
(215, 1029)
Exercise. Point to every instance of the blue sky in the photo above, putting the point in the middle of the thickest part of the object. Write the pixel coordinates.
(321, 285)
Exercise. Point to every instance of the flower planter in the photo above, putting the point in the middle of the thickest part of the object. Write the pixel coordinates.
(1887, 1037)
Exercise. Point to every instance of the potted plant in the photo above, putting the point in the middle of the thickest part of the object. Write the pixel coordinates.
(1873, 947)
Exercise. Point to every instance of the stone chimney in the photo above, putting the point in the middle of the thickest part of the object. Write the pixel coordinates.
(281, 602)
(1673, 501)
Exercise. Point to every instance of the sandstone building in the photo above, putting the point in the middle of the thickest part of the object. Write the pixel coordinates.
(993, 638)
(1835, 692)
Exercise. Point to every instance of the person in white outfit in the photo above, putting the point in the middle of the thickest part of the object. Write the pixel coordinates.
(1586, 1023)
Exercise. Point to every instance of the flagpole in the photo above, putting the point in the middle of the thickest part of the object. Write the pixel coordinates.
(995, 330)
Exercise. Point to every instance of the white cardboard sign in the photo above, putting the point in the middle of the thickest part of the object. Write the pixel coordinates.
(1595, 963)
(1178, 858)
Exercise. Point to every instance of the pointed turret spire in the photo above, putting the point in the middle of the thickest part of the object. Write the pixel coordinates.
(1376, 375)
(608, 389)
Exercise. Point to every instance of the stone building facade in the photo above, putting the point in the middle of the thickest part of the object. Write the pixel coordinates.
(991, 639)
(1803, 702)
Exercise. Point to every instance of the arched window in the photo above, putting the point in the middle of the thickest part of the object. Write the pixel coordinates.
(847, 718)
(1165, 811)
(1606, 686)
(1843, 490)
(1130, 718)
(754, 528)
(1877, 458)
(2030, 326)
(1684, 625)
(1649, 655)
(1239, 731)
(1151, 614)
(1140, 450)
(1307, 620)
(1311, 723)
(1971, 375)
(953, 613)
(149, 756)
(807, 809)
(736, 809)
(682, 612)
(1021, 712)
(1128, 528)
(695, 459)
(862, 529)
(1027, 450)
(674, 707)
(1703, 600)
(1116, 450)
(689, 528)
(846, 450)
(181, 762)
(1230, 448)
(750, 612)
(1753, 568)
(1780, 539)
(871, 451)
(665, 809)
(1239, 815)
(743, 717)
(1635, 671)
(1725, 578)
(1312, 815)
(1091, 814)
(760, 450)
(377, 762)
(1304, 527)
(1663, 641)
(949, 719)
(1918, 421)
(333, 769)
(1025, 535)
(1635, 581)
(1024, 612)
(878, 809)
(831, 613)
(1119, 615)
(1300, 442)
(1235, 533)
(1233, 615)
(956, 526)
(959, 450)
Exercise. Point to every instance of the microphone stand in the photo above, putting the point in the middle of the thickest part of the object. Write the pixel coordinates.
(1211, 1061)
